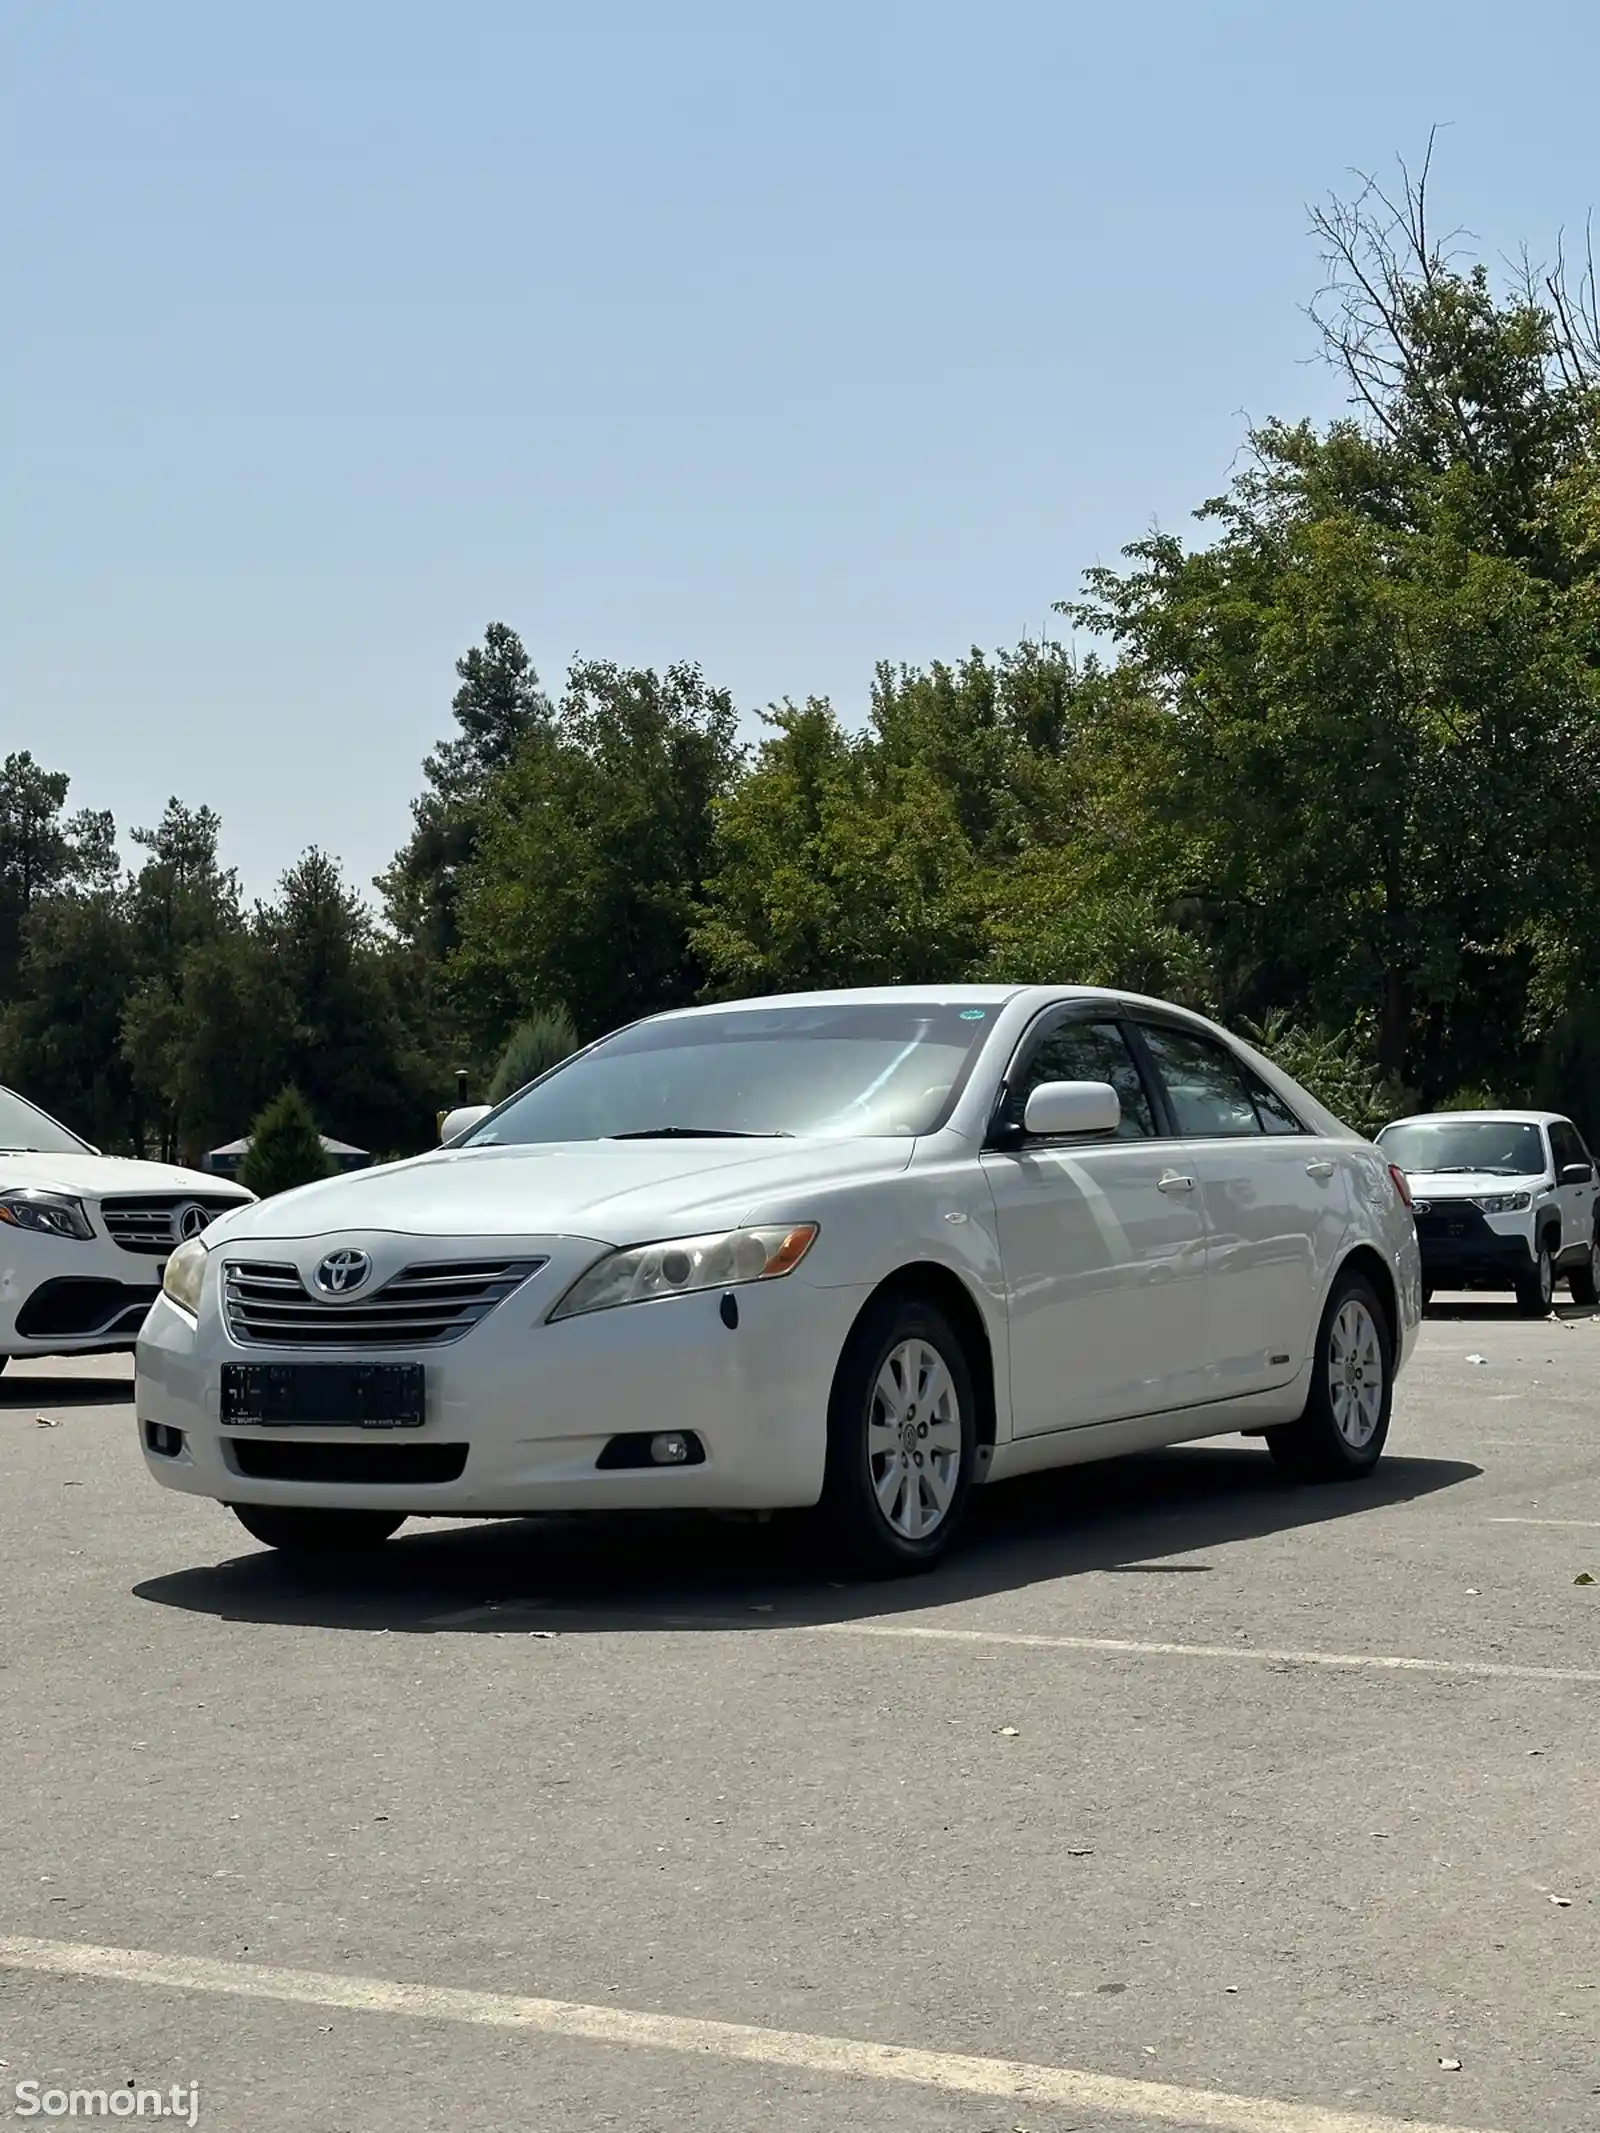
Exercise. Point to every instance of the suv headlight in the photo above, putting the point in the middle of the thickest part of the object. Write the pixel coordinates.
(724, 1260)
(1503, 1203)
(51, 1214)
(186, 1271)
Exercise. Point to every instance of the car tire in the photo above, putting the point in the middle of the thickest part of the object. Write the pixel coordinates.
(1584, 1281)
(1341, 1433)
(902, 1440)
(303, 1530)
(1536, 1291)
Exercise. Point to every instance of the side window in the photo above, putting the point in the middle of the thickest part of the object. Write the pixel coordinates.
(1082, 1051)
(1274, 1113)
(1566, 1147)
(1205, 1085)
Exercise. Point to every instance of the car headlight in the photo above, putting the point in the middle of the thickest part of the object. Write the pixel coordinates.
(51, 1214)
(186, 1270)
(724, 1260)
(1503, 1203)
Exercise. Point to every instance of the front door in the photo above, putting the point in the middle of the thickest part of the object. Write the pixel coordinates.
(1577, 1201)
(1103, 1245)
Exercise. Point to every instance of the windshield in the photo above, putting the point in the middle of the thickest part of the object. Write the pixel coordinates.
(1501, 1148)
(25, 1131)
(850, 1071)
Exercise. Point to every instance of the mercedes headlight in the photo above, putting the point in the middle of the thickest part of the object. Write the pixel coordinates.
(50, 1214)
(186, 1270)
(1503, 1203)
(727, 1259)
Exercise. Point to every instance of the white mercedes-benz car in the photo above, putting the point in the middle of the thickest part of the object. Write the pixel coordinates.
(852, 1250)
(84, 1237)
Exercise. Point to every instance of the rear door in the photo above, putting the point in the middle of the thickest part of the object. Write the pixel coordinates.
(1274, 1199)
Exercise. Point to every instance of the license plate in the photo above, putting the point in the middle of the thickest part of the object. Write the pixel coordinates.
(323, 1395)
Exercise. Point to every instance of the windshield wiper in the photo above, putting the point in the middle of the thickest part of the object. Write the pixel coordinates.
(695, 1133)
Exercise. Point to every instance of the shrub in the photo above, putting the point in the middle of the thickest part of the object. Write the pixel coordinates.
(543, 1041)
(1336, 1069)
(285, 1148)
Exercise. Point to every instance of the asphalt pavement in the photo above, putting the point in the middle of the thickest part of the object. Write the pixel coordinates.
(1180, 1799)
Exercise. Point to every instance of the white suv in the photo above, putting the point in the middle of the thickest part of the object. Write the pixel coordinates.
(85, 1237)
(1503, 1200)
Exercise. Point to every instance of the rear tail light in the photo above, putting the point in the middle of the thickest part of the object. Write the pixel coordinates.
(1402, 1184)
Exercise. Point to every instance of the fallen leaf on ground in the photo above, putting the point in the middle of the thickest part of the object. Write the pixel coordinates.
(48, 1421)
(1562, 1903)
(1009, 1732)
(1451, 2066)
(1583, 1578)
(1477, 1359)
(1087, 1852)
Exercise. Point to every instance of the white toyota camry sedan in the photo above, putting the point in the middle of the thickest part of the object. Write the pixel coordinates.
(854, 1250)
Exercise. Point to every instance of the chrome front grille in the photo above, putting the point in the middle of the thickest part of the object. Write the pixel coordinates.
(267, 1305)
(148, 1223)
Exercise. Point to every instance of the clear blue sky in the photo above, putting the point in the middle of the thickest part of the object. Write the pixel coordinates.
(783, 340)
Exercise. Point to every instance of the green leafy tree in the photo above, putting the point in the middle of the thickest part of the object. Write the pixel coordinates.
(1379, 673)
(537, 1045)
(60, 1039)
(41, 853)
(836, 865)
(498, 705)
(285, 1148)
(595, 844)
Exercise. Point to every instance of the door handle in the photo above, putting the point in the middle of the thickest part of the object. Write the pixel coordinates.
(1172, 1182)
(1319, 1170)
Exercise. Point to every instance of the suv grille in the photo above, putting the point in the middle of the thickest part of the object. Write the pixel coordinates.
(269, 1306)
(148, 1222)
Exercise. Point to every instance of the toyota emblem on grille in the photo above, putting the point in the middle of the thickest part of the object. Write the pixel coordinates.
(190, 1221)
(342, 1272)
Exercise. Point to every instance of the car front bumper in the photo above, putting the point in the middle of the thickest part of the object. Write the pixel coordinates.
(1461, 1245)
(59, 1296)
(534, 1405)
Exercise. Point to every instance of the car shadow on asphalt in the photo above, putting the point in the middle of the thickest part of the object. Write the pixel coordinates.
(1132, 1516)
(41, 1392)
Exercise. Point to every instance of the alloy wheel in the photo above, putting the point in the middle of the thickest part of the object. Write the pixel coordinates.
(914, 1439)
(1355, 1373)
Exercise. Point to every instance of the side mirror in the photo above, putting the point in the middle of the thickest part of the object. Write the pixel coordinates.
(1072, 1107)
(1577, 1174)
(453, 1124)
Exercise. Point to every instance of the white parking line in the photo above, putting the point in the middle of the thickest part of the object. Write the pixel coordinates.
(1593, 1523)
(956, 2073)
(1377, 1662)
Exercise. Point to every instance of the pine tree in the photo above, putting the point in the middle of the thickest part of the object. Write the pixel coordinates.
(285, 1148)
(543, 1041)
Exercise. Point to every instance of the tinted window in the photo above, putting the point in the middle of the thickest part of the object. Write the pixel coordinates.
(1082, 1051)
(1567, 1147)
(845, 1070)
(1204, 1084)
(1501, 1147)
(1274, 1113)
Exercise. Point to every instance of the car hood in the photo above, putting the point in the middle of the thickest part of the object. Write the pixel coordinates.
(91, 1176)
(1464, 1184)
(615, 1192)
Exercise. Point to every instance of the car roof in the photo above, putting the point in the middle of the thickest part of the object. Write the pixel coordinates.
(965, 995)
(1483, 1118)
